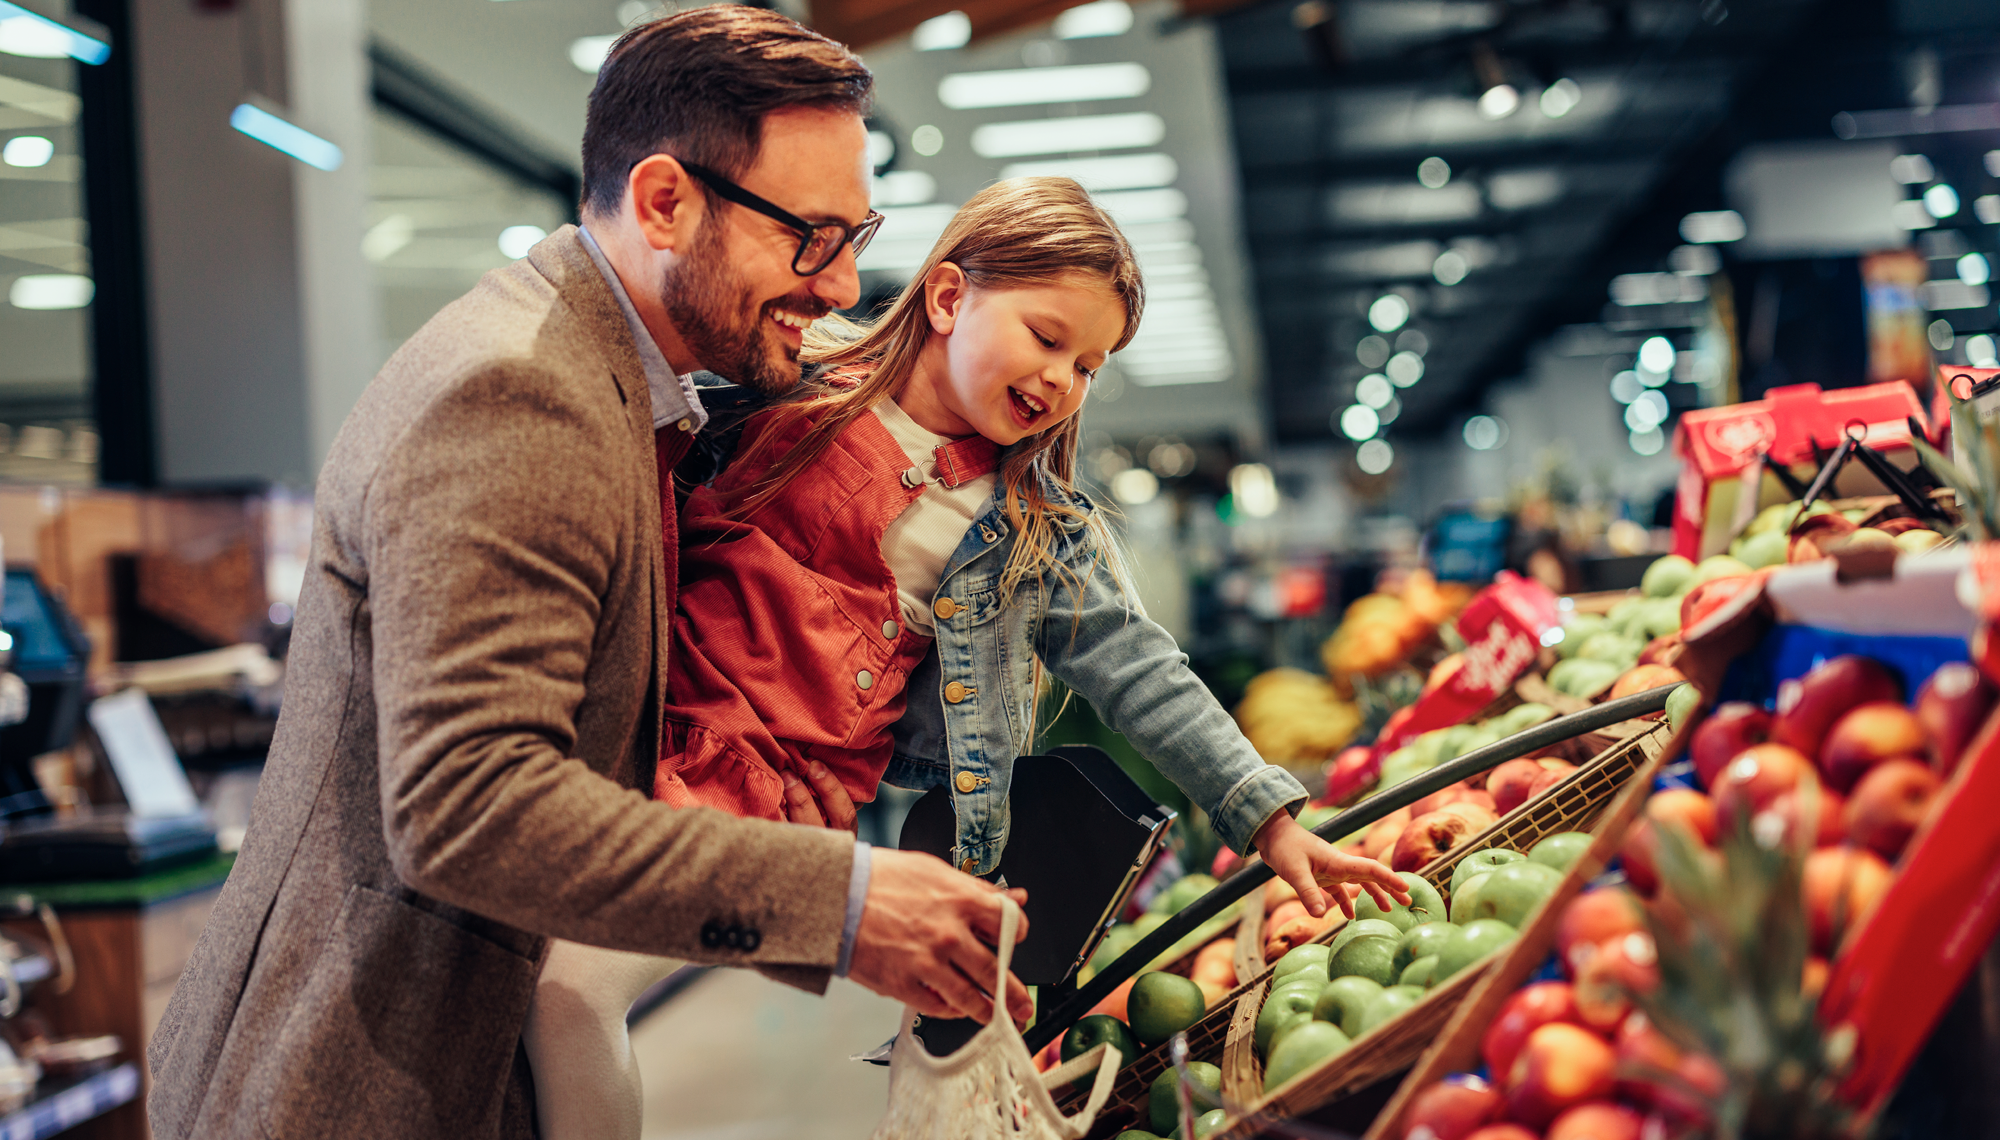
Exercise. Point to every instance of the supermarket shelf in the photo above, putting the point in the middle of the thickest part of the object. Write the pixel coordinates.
(69, 1105)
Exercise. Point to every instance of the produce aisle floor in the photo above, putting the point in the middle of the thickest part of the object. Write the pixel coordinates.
(739, 1057)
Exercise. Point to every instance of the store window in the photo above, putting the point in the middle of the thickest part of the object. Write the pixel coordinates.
(47, 434)
(439, 217)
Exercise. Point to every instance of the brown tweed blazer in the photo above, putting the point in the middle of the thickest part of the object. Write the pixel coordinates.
(472, 700)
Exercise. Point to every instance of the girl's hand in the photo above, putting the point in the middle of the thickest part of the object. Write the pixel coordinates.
(819, 800)
(1305, 861)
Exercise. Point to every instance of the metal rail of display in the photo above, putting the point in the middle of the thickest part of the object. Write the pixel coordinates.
(68, 1106)
(1361, 815)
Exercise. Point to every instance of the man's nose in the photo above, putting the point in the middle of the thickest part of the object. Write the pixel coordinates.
(839, 284)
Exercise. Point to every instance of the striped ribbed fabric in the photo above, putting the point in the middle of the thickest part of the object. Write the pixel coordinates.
(921, 540)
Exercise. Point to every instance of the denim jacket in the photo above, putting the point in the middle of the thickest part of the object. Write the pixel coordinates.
(971, 698)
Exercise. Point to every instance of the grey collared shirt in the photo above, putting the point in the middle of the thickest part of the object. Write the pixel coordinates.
(677, 401)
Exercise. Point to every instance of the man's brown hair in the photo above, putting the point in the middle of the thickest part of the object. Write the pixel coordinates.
(698, 85)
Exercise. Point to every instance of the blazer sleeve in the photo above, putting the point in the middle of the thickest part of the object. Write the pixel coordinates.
(1095, 639)
(487, 570)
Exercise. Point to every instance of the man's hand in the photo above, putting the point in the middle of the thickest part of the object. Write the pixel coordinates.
(1305, 861)
(926, 938)
(819, 799)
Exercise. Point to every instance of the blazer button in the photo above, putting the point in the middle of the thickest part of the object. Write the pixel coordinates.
(890, 629)
(711, 934)
(966, 782)
(956, 692)
(733, 938)
(752, 939)
(944, 608)
(865, 679)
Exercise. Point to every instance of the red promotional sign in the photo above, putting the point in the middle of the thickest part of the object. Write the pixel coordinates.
(1503, 628)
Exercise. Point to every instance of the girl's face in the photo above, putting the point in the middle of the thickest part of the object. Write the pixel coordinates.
(1010, 363)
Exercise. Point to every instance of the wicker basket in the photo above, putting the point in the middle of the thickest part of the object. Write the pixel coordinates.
(1456, 1048)
(1576, 804)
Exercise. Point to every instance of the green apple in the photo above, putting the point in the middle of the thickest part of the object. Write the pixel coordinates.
(1560, 850)
(1577, 630)
(1099, 1029)
(1116, 941)
(1521, 718)
(1716, 566)
(1463, 898)
(1286, 1003)
(1666, 576)
(1135, 1134)
(1422, 972)
(1298, 958)
(1615, 648)
(1422, 942)
(1404, 763)
(1425, 904)
(1175, 899)
(1760, 550)
(1387, 1004)
(1480, 862)
(1362, 928)
(1207, 1124)
(1163, 1103)
(1512, 893)
(1314, 816)
(1473, 941)
(1681, 704)
(1343, 999)
(1303, 1048)
(1582, 677)
(1372, 957)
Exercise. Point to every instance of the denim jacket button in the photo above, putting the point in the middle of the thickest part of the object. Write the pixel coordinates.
(944, 608)
(865, 679)
(966, 782)
(956, 692)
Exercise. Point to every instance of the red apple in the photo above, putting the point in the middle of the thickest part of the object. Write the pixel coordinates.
(1732, 728)
(1753, 779)
(1951, 706)
(1830, 826)
(1712, 597)
(1808, 706)
(1685, 808)
(1503, 1132)
(1842, 885)
(1812, 980)
(1522, 1013)
(1428, 836)
(1381, 838)
(1351, 771)
(1461, 792)
(1598, 1120)
(1479, 815)
(1553, 772)
(1662, 650)
(1509, 783)
(1622, 966)
(1865, 737)
(1452, 1109)
(1656, 1073)
(1889, 803)
(1593, 918)
(1639, 678)
(1561, 1065)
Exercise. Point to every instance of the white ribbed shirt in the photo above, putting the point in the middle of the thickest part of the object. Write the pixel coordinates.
(921, 540)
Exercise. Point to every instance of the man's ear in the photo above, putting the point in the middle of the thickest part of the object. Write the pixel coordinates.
(663, 200)
(944, 295)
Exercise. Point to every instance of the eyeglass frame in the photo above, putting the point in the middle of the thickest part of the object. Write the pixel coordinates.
(857, 236)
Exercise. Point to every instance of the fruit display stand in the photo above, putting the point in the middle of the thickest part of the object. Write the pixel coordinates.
(1578, 803)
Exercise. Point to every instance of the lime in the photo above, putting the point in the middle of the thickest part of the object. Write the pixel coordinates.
(1163, 1004)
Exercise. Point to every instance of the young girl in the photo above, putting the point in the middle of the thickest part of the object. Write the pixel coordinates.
(878, 579)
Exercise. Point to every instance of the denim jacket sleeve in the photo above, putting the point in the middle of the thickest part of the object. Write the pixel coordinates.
(1095, 639)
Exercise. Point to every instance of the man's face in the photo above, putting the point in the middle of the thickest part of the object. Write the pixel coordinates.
(733, 296)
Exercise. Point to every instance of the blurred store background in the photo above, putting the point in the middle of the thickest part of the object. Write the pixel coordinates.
(1432, 283)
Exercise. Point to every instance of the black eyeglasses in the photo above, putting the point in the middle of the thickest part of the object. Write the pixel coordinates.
(818, 244)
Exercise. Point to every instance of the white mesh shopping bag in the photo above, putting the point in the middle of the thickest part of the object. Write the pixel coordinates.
(988, 1089)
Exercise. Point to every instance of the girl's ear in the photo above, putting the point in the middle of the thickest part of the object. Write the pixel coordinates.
(944, 295)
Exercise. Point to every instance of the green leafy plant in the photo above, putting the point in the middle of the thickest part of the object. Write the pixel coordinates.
(1732, 939)
(1978, 490)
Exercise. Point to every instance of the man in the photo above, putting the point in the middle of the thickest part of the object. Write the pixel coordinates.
(474, 675)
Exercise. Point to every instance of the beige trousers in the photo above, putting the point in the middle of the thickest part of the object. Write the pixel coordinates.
(586, 1079)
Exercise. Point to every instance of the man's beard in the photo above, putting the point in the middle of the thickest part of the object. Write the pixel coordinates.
(710, 308)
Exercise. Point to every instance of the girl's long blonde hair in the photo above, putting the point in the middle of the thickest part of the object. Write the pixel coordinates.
(1020, 233)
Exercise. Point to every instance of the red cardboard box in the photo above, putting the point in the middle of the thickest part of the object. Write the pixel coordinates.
(1503, 629)
(1717, 444)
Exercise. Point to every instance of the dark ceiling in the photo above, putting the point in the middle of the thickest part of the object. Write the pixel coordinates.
(1336, 105)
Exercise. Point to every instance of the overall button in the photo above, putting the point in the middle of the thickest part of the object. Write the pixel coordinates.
(890, 629)
(944, 608)
(966, 782)
(865, 679)
(913, 478)
(957, 691)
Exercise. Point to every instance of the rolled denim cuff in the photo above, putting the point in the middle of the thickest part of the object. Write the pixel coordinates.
(1249, 805)
(857, 897)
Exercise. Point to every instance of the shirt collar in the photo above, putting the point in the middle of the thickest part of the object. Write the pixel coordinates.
(674, 395)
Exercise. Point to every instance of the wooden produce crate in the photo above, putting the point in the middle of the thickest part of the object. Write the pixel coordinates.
(1588, 797)
(1456, 1048)
(1205, 1038)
